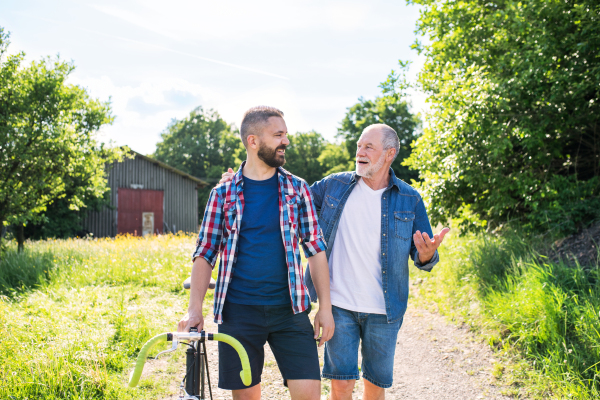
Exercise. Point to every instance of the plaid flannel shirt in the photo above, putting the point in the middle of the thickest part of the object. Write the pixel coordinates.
(219, 233)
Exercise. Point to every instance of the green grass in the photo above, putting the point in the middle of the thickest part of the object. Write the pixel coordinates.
(542, 316)
(74, 314)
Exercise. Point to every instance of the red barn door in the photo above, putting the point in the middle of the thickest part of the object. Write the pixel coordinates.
(133, 204)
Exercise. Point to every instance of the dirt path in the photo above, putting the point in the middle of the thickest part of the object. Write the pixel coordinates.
(434, 360)
(437, 360)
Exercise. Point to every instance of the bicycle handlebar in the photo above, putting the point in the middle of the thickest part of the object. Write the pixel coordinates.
(245, 374)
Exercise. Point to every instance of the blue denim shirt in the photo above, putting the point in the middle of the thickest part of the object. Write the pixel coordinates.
(402, 214)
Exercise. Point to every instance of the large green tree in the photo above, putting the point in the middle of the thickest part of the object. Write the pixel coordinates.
(203, 145)
(514, 131)
(392, 109)
(60, 218)
(302, 155)
(47, 130)
(335, 158)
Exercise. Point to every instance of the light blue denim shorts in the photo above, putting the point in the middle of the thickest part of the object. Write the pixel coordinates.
(378, 347)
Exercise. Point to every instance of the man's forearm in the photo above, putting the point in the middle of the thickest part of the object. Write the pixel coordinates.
(200, 279)
(319, 271)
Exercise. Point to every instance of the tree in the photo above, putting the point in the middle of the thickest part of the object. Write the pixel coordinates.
(389, 109)
(302, 155)
(514, 131)
(203, 145)
(47, 132)
(335, 158)
(61, 219)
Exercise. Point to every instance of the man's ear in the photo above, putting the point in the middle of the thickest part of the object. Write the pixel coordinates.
(252, 141)
(391, 153)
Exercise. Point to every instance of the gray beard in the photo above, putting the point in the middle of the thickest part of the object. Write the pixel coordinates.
(373, 168)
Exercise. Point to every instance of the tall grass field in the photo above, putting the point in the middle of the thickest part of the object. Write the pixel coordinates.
(542, 315)
(74, 314)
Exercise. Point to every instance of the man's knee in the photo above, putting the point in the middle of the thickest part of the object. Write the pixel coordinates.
(342, 386)
(373, 392)
(304, 389)
(251, 393)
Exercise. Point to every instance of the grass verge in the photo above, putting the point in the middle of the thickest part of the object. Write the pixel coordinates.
(543, 316)
(74, 314)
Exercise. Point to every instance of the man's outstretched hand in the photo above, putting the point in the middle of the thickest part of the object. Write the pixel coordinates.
(227, 176)
(427, 246)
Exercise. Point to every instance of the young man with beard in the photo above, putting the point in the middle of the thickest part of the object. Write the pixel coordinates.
(372, 222)
(257, 222)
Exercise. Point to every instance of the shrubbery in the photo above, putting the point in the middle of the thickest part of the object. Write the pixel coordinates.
(514, 132)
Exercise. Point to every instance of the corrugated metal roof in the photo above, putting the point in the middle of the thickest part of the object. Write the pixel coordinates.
(199, 181)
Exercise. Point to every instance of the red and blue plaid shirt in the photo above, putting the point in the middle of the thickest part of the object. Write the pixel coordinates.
(219, 233)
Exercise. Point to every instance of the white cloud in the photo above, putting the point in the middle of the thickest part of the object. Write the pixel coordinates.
(134, 127)
(140, 129)
(208, 20)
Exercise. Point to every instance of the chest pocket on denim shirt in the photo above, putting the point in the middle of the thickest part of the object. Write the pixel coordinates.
(403, 221)
(328, 208)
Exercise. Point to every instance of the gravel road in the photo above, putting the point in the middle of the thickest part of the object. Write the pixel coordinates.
(434, 360)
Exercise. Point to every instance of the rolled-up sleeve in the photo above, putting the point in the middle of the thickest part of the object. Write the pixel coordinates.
(422, 224)
(208, 244)
(310, 231)
(427, 267)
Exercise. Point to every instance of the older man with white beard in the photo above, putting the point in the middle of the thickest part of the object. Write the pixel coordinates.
(372, 223)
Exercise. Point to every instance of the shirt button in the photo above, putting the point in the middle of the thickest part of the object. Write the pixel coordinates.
(384, 272)
(385, 291)
(384, 254)
(384, 215)
(331, 204)
(384, 234)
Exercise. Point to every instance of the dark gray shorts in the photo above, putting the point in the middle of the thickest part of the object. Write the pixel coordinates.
(290, 336)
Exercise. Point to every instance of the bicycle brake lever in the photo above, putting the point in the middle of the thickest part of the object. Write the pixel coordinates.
(173, 348)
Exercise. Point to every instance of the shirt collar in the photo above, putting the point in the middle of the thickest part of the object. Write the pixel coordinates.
(238, 177)
(393, 180)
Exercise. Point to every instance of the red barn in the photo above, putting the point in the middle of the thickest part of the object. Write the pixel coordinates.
(147, 196)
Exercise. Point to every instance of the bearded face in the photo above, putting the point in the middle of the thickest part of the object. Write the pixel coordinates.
(273, 157)
(366, 168)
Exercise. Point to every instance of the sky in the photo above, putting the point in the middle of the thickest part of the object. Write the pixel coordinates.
(156, 61)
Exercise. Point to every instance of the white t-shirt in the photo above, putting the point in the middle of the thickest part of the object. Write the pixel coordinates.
(355, 263)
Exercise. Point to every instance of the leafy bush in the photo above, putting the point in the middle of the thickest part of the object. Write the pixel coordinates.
(514, 131)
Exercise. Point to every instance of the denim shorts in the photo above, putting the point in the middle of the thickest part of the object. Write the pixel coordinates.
(377, 349)
(290, 336)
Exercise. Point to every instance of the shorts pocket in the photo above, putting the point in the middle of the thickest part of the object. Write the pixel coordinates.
(403, 221)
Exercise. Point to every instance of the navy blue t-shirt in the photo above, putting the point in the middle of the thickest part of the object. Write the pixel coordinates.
(260, 274)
